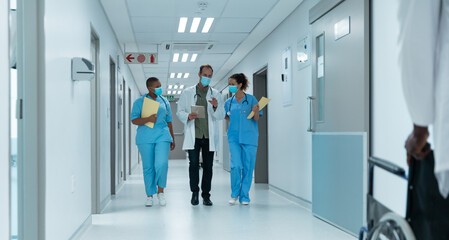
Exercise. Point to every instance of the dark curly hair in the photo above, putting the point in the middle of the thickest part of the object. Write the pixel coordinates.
(151, 80)
(240, 78)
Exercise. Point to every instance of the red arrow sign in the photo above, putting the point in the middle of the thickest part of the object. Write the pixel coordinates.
(129, 58)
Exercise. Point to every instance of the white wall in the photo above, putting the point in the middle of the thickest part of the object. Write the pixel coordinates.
(67, 103)
(290, 150)
(4, 121)
(391, 123)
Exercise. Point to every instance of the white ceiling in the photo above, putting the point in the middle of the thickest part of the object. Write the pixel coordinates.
(148, 25)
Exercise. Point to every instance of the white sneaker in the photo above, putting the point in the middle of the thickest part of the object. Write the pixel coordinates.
(161, 198)
(245, 203)
(233, 200)
(149, 202)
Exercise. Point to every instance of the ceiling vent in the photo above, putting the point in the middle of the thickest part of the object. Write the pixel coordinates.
(189, 47)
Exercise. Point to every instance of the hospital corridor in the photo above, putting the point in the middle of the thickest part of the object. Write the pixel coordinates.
(224, 119)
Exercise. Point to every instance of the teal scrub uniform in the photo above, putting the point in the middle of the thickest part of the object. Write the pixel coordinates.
(154, 144)
(243, 138)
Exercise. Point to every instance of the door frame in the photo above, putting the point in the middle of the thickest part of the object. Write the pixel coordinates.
(123, 128)
(113, 122)
(261, 70)
(95, 125)
(5, 166)
(129, 132)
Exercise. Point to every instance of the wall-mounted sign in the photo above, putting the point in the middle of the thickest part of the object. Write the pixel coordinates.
(342, 28)
(170, 98)
(140, 58)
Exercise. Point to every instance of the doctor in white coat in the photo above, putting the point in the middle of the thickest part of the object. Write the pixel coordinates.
(424, 46)
(201, 134)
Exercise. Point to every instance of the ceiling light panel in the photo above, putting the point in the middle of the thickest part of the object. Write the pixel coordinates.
(176, 86)
(182, 24)
(179, 92)
(195, 24)
(186, 75)
(172, 75)
(181, 87)
(207, 25)
(176, 57)
(169, 92)
(185, 56)
(170, 86)
(194, 56)
(179, 75)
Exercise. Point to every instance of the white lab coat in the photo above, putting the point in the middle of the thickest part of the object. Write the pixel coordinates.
(185, 102)
(424, 42)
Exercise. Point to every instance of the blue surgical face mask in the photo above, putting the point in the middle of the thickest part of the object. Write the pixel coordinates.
(158, 91)
(233, 89)
(205, 81)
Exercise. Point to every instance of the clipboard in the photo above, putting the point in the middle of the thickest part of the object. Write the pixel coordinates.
(262, 103)
(149, 108)
(200, 110)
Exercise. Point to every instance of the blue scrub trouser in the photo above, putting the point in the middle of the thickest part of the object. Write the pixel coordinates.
(243, 161)
(155, 165)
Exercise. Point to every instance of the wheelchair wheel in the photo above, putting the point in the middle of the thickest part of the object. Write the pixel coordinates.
(393, 227)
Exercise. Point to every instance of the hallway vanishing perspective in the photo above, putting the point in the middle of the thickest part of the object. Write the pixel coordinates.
(270, 216)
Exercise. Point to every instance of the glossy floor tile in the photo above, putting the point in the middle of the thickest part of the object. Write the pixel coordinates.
(269, 216)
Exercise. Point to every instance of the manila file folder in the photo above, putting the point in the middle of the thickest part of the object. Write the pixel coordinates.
(149, 108)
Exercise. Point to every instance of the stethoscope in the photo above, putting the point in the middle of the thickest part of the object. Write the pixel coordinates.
(230, 104)
(165, 102)
(195, 98)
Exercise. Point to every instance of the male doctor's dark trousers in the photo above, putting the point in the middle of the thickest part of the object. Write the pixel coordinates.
(208, 159)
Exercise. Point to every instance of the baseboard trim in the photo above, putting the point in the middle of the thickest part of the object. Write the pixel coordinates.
(82, 229)
(105, 203)
(295, 199)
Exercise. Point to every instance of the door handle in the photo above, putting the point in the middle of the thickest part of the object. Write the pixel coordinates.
(310, 98)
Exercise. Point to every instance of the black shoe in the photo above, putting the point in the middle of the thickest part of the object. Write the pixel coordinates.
(207, 202)
(194, 200)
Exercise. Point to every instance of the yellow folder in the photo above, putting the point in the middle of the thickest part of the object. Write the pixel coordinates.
(262, 103)
(149, 108)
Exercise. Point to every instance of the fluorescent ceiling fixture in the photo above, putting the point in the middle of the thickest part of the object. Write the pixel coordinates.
(169, 92)
(172, 75)
(170, 86)
(182, 24)
(194, 56)
(176, 57)
(195, 24)
(207, 25)
(176, 86)
(181, 87)
(179, 75)
(186, 75)
(179, 92)
(185, 56)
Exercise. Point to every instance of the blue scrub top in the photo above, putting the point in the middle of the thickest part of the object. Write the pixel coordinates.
(242, 130)
(160, 132)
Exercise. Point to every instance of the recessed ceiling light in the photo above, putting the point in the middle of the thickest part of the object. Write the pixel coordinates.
(176, 57)
(179, 75)
(179, 92)
(172, 75)
(169, 92)
(181, 87)
(195, 24)
(207, 25)
(170, 86)
(182, 24)
(186, 75)
(185, 56)
(176, 86)
(194, 56)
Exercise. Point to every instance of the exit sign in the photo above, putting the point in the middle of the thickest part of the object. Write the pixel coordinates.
(170, 97)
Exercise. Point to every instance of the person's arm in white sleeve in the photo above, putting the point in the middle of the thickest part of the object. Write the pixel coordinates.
(183, 113)
(219, 113)
(418, 37)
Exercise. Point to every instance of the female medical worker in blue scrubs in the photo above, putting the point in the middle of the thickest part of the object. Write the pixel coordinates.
(243, 137)
(154, 143)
